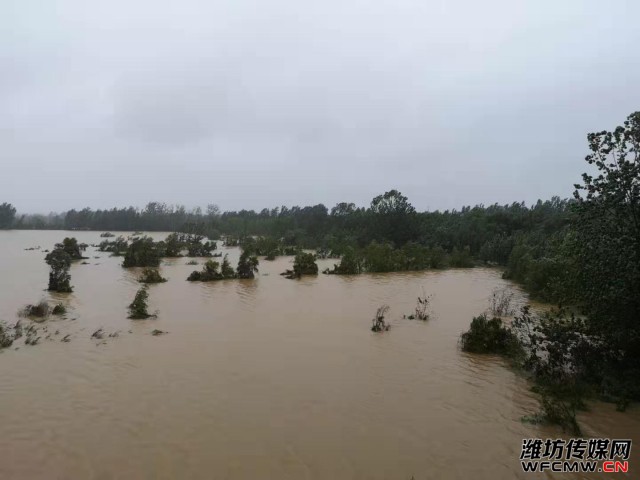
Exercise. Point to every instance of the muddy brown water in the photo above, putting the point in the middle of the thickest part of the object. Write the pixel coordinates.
(265, 378)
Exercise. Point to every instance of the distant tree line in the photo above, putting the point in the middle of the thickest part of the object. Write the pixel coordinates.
(526, 239)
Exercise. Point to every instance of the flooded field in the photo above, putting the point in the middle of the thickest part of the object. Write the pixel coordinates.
(264, 378)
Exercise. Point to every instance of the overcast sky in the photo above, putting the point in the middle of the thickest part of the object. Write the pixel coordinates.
(254, 103)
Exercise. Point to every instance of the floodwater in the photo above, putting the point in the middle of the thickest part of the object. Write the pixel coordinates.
(260, 379)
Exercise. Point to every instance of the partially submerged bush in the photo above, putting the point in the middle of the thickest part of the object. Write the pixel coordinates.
(557, 411)
(553, 349)
(422, 308)
(6, 338)
(107, 235)
(117, 246)
(501, 302)
(59, 309)
(488, 336)
(378, 323)
(210, 271)
(151, 275)
(138, 308)
(39, 310)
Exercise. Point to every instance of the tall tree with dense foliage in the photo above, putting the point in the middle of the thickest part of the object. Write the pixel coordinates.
(7, 215)
(394, 218)
(606, 242)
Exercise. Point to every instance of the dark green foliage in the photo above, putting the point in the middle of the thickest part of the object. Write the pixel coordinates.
(142, 252)
(107, 235)
(117, 247)
(267, 246)
(72, 248)
(138, 308)
(305, 264)
(176, 243)
(606, 245)
(488, 336)
(440, 238)
(151, 275)
(212, 271)
(197, 248)
(7, 215)
(393, 218)
(460, 258)
(437, 257)
(383, 257)
(59, 309)
(226, 270)
(173, 245)
(595, 264)
(59, 278)
(247, 265)
(545, 266)
(350, 264)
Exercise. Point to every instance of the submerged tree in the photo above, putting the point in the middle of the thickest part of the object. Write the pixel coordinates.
(117, 246)
(173, 245)
(59, 276)
(210, 271)
(151, 275)
(138, 309)
(305, 264)
(197, 248)
(488, 336)
(247, 265)
(350, 264)
(72, 248)
(142, 252)
(226, 270)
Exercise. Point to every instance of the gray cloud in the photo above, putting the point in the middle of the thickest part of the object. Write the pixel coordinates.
(248, 104)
